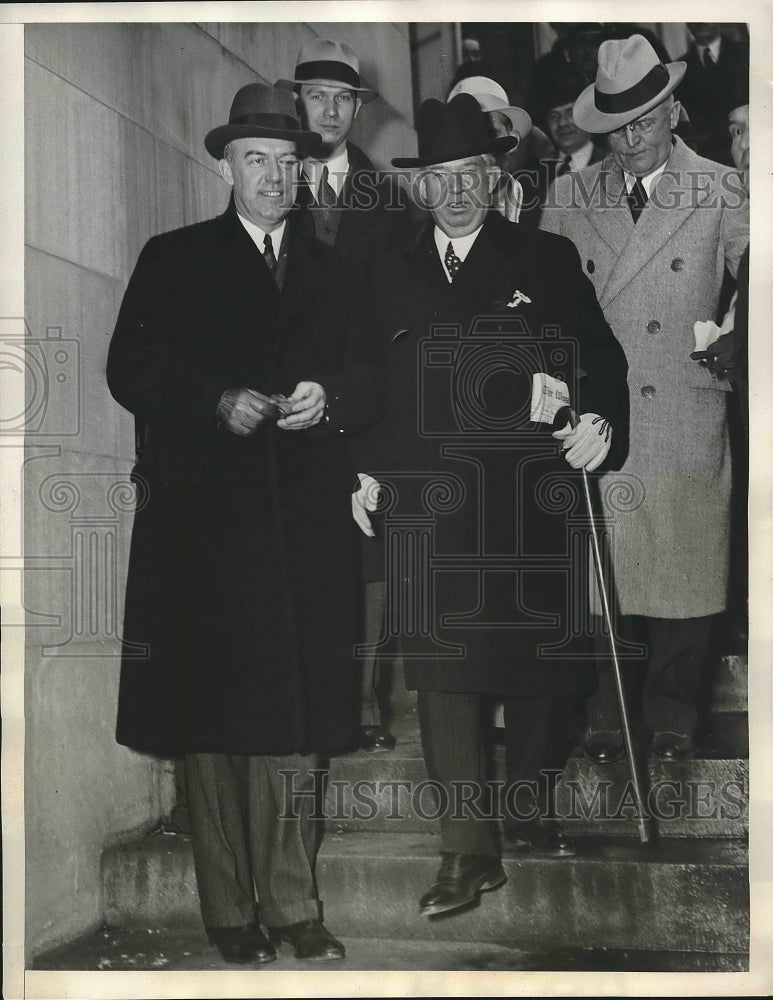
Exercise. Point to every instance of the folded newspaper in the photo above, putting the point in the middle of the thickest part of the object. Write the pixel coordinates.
(548, 396)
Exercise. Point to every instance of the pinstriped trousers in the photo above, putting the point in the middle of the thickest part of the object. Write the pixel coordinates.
(246, 839)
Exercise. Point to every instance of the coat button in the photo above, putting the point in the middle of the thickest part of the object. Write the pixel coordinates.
(591, 266)
(653, 326)
(677, 264)
(648, 391)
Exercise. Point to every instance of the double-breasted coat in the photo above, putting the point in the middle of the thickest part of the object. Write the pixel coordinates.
(480, 505)
(668, 508)
(242, 596)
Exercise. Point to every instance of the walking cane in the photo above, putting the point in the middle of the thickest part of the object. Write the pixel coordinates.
(644, 833)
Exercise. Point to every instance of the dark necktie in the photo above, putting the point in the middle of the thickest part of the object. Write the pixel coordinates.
(452, 262)
(268, 255)
(637, 199)
(709, 62)
(326, 195)
(563, 166)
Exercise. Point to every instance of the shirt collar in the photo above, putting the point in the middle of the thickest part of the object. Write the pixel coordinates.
(259, 235)
(581, 157)
(713, 48)
(337, 169)
(648, 182)
(461, 244)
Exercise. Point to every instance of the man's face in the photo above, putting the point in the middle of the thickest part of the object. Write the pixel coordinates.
(644, 144)
(263, 174)
(330, 111)
(738, 123)
(458, 193)
(704, 32)
(563, 131)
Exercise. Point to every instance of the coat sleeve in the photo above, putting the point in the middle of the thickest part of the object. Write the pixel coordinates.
(145, 373)
(603, 382)
(734, 227)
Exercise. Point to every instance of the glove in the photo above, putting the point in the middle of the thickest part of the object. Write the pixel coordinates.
(588, 444)
(363, 500)
(718, 356)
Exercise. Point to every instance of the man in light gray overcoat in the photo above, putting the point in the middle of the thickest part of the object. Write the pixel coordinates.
(655, 226)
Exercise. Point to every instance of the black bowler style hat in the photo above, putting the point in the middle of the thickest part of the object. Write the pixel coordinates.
(454, 131)
(259, 111)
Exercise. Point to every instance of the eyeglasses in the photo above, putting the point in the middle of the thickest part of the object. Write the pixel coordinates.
(642, 127)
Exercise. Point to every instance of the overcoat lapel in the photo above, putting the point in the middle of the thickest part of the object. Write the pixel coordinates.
(245, 270)
(606, 206)
(677, 195)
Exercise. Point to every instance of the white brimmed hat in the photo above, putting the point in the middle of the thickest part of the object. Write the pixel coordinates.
(331, 64)
(630, 81)
(492, 97)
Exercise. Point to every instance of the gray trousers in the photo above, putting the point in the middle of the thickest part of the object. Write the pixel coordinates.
(246, 840)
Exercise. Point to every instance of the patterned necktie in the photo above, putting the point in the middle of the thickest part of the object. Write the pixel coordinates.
(268, 255)
(326, 196)
(452, 262)
(563, 167)
(637, 199)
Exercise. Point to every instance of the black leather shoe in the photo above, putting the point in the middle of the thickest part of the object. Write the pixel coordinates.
(310, 939)
(602, 746)
(460, 880)
(671, 746)
(541, 836)
(374, 739)
(243, 944)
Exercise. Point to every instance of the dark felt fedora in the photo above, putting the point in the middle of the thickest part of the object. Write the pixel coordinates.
(259, 111)
(454, 131)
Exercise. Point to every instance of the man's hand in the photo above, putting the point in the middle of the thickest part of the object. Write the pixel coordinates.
(363, 500)
(718, 356)
(588, 444)
(308, 404)
(242, 411)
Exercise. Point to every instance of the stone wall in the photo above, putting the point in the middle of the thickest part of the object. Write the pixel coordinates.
(115, 118)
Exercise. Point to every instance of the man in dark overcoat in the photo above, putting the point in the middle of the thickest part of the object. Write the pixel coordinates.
(364, 215)
(481, 508)
(245, 348)
(715, 63)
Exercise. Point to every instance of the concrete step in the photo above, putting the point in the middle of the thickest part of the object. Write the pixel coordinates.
(729, 684)
(702, 797)
(183, 949)
(674, 896)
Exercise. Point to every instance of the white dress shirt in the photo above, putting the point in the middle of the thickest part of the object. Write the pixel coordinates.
(337, 169)
(713, 48)
(461, 244)
(648, 182)
(259, 235)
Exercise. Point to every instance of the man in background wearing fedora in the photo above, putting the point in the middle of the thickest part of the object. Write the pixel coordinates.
(576, 149)
(364, 215)
(506, 120)
(464, 312)
(655, 225)
(245, 348)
